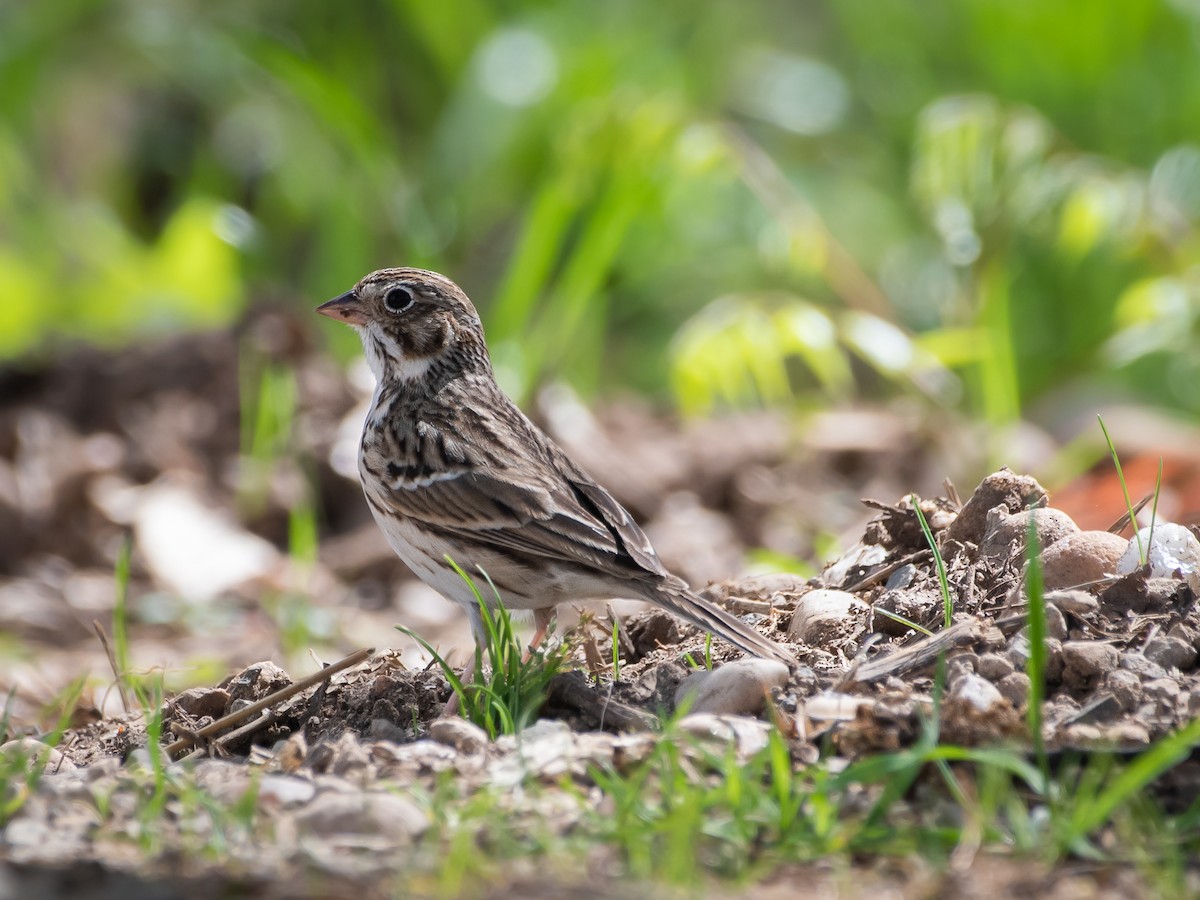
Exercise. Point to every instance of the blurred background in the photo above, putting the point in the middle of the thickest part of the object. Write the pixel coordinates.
(896, 241)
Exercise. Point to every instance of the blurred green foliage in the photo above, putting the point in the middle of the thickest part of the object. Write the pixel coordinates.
(972, 200)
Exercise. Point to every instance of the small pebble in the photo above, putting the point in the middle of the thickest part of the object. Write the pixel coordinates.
(1081, 558)
(1056, 624)
(463, 736)
(1128, 734)
(994, 666)
(1164, 691)
(382, 729)
(1054, 661)
(1125, 687)
(284, 791)
(1136, 593)
(1082, 734)
(1015, 687)
(1086, 660)
(1004, 489)
(914, 604)
(737, 688)
(901, 578)
(821, 614)
(746, 735)
(1144, 668)
(1171, 652)
(977, 692)
(255, 682)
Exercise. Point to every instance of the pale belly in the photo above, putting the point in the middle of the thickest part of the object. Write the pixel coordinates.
(519, 589)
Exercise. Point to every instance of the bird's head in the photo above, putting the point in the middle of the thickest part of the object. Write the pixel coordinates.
(411, 320)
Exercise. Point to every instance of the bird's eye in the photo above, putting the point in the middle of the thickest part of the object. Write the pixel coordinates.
(398, 299)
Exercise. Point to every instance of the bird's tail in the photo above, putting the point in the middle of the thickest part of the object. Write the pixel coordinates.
(678, 600)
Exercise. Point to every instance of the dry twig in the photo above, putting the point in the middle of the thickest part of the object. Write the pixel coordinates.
(270, 700)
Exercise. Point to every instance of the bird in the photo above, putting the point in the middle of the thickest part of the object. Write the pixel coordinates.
(453, 470)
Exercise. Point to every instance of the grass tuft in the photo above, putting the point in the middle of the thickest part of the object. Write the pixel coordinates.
(509, 696)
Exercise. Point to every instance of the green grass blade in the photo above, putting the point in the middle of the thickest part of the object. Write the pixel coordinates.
(1112, 450)
(1135, 777)
(943, 579)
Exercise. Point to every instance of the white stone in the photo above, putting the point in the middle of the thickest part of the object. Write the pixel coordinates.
(977, 692)
(1175, 553)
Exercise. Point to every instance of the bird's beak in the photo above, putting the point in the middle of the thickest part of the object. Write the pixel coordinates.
(345, 308)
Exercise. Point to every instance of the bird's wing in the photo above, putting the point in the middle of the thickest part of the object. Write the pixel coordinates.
(527, 497)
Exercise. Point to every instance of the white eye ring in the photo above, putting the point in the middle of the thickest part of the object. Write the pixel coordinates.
(398, 299)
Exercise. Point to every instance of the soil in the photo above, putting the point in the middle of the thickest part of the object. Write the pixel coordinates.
(97, 446)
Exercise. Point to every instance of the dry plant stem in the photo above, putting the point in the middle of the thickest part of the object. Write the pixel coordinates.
(112, 663)
(851, 673)
(571, 689)
(920, 654)
(1118, 526)
(234, 736)
(591, 655)
(879, 574)
(952, 493)
(625, 643)
(303, 684)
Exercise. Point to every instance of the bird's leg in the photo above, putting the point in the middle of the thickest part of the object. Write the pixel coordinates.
(542, 620)
(474, 666)
(476, 674)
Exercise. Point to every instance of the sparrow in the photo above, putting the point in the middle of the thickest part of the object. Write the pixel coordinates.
(453, 470)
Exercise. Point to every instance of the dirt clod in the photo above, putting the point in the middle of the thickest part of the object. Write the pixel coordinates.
(256, 681)
(1086, 661)
(1003, 489)
(199, 703)
(1004, 541)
